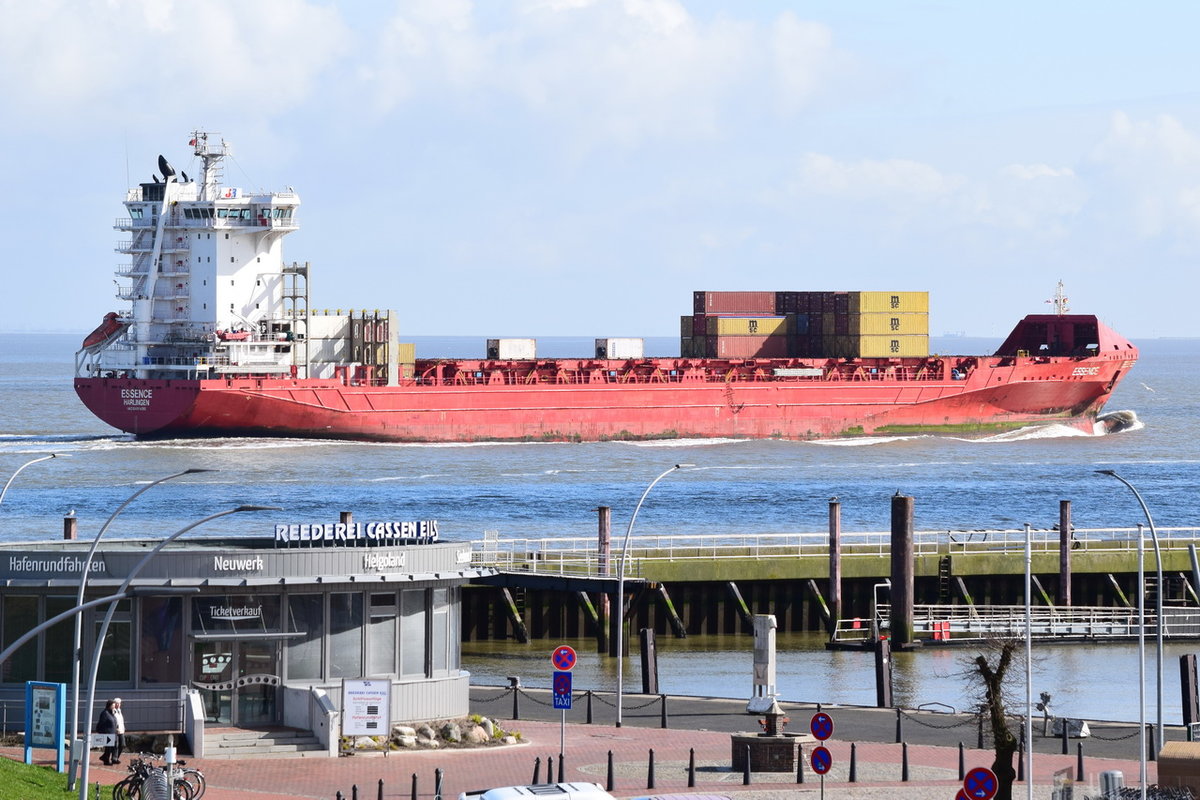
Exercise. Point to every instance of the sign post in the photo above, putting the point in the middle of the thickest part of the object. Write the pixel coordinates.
(563, 658)
(821, 726)
(366, 707)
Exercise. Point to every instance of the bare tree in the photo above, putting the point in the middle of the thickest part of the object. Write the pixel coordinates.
(991, 669)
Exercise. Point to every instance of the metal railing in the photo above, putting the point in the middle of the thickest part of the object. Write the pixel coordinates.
(578, 555)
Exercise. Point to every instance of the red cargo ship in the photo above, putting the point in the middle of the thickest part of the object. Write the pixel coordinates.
(220, 340)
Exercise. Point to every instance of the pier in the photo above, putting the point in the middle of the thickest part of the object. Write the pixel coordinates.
(966, 584)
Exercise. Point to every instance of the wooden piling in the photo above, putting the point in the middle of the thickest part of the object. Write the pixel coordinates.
(902, 570)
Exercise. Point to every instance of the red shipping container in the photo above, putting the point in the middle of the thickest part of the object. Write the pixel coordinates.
(742, 303)
(751, 346)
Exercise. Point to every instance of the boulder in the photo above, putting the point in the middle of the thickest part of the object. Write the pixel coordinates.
(425, 732)
(403, 730)
(488, 726)
(450, 732)
(404, 741)
(476, 735)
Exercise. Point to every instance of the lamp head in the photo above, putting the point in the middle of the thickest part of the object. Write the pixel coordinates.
(681, 466)
(258, 508)
(1109, 472)
(194, 470)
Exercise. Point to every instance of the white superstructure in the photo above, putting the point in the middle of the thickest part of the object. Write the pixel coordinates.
(207, 285)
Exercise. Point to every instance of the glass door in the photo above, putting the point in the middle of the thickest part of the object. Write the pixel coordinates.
(239, 681)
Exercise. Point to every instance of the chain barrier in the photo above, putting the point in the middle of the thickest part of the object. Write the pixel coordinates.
(971, 720)
(626, 707)
(1120, 738)
(533, 699)
(503, 694)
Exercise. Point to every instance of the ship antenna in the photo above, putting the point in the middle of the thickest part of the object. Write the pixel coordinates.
(1059, 301)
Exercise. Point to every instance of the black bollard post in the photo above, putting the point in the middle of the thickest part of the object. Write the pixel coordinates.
(560, 767)
(437, 783)
(799, 764)
(1153, 754)
(962, 763)
(379, 796)
(354, 791)
(414, 786)
(516, 705)
(1066, 744)
(1021, 759)
(691, 767)
(608, 783)
(979, 744)
(853, 763)
(589, 706)
(650, 771)
(662, 717)
(746, 768)
(549, 769)
(904, 762)
(899, 726)
(1079, 761)
(338, 796)
(537, 771)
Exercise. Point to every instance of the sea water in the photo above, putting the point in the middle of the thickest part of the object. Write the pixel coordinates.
(552, 489)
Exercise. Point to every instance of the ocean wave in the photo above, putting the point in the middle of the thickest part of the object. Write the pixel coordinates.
(682, 442)
(867, 441)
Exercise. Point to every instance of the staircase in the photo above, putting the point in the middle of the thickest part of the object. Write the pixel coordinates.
(265, 743)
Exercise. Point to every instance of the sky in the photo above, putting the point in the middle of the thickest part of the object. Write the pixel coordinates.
(579, 167)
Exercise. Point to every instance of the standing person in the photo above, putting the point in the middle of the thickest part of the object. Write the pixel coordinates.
(112, 722)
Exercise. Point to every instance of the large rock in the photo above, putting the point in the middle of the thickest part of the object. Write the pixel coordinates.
(403, 730)
(476, 735)
(450, 732)
(405, 741)
(488, 726)
(425, 732)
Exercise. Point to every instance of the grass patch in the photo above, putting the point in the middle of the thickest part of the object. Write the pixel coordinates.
(19, 781)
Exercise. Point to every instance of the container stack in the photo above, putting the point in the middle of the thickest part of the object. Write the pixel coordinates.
(876, 324)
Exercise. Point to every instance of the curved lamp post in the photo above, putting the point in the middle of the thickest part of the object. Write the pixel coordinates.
(133, 573)
(13, 477)
(1158, 600)
(77, 748)
(621, 588)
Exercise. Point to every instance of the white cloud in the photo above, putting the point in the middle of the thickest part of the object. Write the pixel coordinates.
(129, 60)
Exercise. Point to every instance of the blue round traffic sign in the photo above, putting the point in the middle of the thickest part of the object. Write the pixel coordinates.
(822, 759)
(563, 658)
(980, 783)
(821, 725)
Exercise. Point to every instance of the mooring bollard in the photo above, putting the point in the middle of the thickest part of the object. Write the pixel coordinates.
(853, 763)
(650, 771)
(662, 718)
(537, 771)
(560, 767)
(962, 762)
(589, 706)
(414, 786)
(1079, 762)
(608, 783)
(746, 768)
(437, 783)
(691, 767)
(899, 726)
(379, 796)
(904, 762)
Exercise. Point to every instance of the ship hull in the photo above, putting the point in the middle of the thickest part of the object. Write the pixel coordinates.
(999, 394)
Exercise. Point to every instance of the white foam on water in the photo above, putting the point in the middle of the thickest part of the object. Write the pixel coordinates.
(866, 441)
(683, 442)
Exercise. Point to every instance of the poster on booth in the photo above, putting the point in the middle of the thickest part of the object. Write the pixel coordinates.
(366, 707)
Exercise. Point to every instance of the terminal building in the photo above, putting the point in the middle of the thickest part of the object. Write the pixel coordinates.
(246, 632)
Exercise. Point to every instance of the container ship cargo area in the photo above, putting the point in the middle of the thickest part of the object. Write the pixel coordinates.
(221, 340)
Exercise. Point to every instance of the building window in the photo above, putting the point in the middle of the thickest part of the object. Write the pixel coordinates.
(58, 642)
(345, 634)
(412, 633)
(440, 630)
(381, 638)
(21, 666)
(161, 640)
(306, 616)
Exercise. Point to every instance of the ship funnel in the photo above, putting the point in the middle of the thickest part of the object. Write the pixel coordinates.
(166, 169)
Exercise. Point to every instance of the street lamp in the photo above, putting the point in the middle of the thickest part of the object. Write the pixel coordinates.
(99, 647)
(1029, 662)
(77, 748)
(12, 477)
(621, 588)
(1158, 599)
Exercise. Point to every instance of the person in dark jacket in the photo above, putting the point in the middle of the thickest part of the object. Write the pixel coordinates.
(112, 722)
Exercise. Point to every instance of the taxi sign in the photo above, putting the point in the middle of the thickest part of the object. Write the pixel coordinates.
(562, 690)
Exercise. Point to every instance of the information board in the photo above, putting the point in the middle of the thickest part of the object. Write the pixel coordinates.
(366, 707)
(45, 718)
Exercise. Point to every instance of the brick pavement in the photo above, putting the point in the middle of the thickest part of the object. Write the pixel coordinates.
(933, 770)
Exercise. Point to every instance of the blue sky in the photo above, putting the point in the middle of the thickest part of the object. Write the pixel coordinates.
(570, 167)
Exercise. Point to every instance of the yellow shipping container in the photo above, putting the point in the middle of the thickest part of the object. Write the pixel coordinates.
(889, 324)
(911, 346)
(749, 326)
(685, 327)
(899, 302)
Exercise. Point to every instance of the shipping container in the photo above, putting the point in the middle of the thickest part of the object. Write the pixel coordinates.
(620, 348)
(898, 302)
(748, 326)
(512, 349)
(687, 347)
(886, 324)
(749, 346)
(685, 326)
(787, 303)
(912, 346)
(699, 325)
(755, 303)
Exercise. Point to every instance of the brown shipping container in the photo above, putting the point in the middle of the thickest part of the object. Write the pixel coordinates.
(685, 326)
(816, 323)
(888, 324)
(751, 346)
(898, 302)
(787, 303)
(699, 325)
(748, 303)
(748, 326)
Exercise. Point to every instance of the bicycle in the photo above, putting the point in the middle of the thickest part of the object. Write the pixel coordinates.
(146, 781)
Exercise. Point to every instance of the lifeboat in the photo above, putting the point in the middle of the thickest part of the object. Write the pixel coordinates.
(105, 333)
(233, 336)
